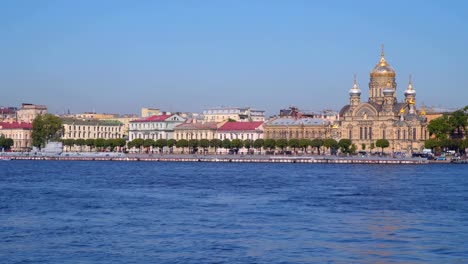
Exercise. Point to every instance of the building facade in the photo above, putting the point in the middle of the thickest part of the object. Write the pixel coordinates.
(238, 114)
(91, 128)
(20, 133)
(8, 114)
(154, 127)
(382, 116)
(196, 130)
(28, 112)
(240, 130)
(298, 128)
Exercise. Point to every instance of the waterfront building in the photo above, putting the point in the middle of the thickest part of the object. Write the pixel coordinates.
(298, 128)
(28, 112)
(8, 114)
(147, 112)
(382, 116)
(155, 127)
(196, 130)
(327, 114)
(238, 114)
(91, 128)
(240, 130)
(125, 120)
(20, 133)
(94, 115)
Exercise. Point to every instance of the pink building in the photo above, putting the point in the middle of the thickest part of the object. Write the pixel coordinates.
(241, 130)
(19, 132)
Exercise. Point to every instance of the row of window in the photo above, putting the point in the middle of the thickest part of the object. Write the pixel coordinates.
(96, 128)
(94, 135)
(149, 125)
(295, 134)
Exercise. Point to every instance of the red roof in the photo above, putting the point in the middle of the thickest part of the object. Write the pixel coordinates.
(230, 126)
(154, 118)
(15, 125)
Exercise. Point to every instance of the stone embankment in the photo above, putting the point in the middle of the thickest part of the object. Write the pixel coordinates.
(232, 158)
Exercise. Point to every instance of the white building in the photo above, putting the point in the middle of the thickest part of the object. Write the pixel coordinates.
(241, 130)
(240, 114)
(154, 127)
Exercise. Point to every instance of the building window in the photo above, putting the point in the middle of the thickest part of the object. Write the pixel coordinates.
(384, 136)
(360, 133)
(349, 134)
(370, 132)
(365, 133)
(414, 133)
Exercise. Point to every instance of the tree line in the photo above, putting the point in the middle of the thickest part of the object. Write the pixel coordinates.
(98, 144)
(197, 145)
(448, 132)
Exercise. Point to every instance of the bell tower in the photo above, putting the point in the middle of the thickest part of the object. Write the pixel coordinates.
(380, 76)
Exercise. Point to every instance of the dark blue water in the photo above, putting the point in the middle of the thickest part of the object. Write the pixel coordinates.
(116, 212)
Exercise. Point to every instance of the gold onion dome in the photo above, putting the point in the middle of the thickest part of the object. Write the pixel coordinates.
(410, 90)
(355, 90)
(383, 68)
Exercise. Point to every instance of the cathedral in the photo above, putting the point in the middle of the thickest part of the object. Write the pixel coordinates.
(383, 116)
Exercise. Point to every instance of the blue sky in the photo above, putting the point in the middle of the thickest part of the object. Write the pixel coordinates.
(118, 56)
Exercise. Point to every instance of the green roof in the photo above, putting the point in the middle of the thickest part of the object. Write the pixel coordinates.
(90, 122)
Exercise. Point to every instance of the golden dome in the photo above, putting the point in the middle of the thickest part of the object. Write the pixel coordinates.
(383, 68)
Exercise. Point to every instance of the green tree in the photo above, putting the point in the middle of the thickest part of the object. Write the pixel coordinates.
(226, 143)
(382, 143)
(248, 144)
(344, 145)
(80, 143)
(120, 143)
(458, 121)
(6, 143)
(193, 144)
(330, 144)
(304, 143)
(439, 127)
(294, 143)
(431, 143)
(160, 144)
(70, 142)
(90, 143)
(170, 144)
(215, 143)
(371, 146)
(147, 144)
(45, 128)
(237, 143)
(282, 143)
(363, 146)
(110, 143)
(183, 143)
(258, 144)
(136, 143)
(100, 143)
(205, 144)
(269, 144)
(316, 143)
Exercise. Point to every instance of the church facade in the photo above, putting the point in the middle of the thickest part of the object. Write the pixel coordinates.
(382, 116)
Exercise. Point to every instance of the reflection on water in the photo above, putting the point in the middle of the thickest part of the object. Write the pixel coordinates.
(105, 212)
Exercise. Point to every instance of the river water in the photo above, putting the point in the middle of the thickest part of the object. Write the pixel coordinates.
(137, 212)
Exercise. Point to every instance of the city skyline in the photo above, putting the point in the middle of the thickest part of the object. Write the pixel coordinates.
(117, 56)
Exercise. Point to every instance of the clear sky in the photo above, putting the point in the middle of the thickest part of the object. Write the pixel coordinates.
(117, 56)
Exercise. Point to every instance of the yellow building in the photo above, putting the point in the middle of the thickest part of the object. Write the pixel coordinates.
(19, 132)
(196, 130)
(91, 128)
(382, 116)
(147, 112)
